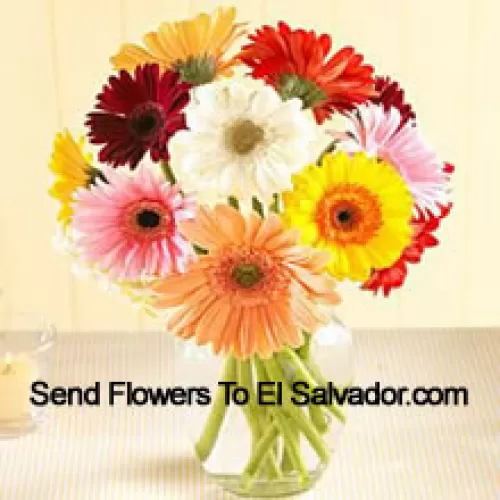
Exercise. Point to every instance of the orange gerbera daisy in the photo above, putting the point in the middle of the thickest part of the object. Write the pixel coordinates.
(254, 292)
(193, 47)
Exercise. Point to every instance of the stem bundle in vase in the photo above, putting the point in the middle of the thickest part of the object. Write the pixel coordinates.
(277, 429)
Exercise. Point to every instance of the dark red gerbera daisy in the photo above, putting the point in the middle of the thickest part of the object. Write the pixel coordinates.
(390, 94)
(297, 63)
(140, 113)
(424, 224)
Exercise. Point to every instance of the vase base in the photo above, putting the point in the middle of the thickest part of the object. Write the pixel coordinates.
(288, 485)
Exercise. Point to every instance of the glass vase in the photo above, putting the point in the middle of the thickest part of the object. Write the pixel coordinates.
(270, 428)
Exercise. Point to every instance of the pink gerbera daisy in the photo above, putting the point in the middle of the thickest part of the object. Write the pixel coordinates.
(378, 132)
(127, 225)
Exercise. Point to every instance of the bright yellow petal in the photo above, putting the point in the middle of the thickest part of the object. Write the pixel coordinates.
(309, 233)
(372, 192)
(71, 167)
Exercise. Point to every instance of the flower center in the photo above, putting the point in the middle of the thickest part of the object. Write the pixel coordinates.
(308, 92)
(345, 216)
(247, 275)
(349, 214)
(146, 120)
(243, 136)
(197, 70)
(148, 219)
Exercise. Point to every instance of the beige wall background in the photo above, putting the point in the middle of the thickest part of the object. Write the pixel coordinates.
(445, 52)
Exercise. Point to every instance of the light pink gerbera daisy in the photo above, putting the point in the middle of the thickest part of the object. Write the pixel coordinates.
(379, 133)
(127, 225)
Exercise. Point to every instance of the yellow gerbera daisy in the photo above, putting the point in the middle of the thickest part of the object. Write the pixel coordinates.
(357, 208)
(194, 47)
(72, 168)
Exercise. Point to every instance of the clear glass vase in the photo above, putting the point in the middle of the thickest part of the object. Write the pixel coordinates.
(267, 444)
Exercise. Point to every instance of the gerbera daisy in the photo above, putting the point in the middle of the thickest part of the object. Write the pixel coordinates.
(242, 140)
(128, 225)
(255, 291)
(378, 132)
(72, 169)
(423, 226)
(194, 47)
(390, 94)
(357, 208)
(298, 64)
(138, 113)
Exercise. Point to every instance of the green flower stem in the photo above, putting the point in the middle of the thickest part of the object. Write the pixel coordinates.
(303, 373)
(258, 206)
(210, 433)
(248, 409)
(330, 148)
(275, 205)
(315, 372)
(333, 409)
(292, 458)
(267, 419)
(275, 449)
(316, 413)
(318, 418)
(253, 416)
(271, 370)
(292, 442)
(277, 427)
(309, 373)
(263, 446)
(304, 351)
(168, 172)
(276, 374)
(287, 461)
(233, 202)
(289, 421)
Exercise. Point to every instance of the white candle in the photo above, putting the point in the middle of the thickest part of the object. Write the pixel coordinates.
(17, 374)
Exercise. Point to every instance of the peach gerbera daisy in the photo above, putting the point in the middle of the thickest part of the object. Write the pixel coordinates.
(254, 292)
(193, 47)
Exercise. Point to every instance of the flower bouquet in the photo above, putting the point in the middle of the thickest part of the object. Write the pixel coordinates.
(225, 198)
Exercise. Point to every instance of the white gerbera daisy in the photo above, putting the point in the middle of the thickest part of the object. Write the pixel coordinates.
(242, 140)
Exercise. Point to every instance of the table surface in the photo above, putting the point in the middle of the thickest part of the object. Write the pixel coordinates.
(431, 453)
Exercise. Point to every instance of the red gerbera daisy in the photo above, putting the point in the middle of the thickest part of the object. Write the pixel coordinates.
(297, 63)
(140, 113)
(390, 94)
(393, 277)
